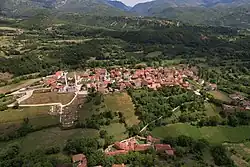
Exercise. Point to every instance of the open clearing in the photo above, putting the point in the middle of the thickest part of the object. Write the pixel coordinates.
(21, 84)
(217, 134)
(212, 110)
(15, 115)
(220, 95)
(122, 102)
(49, 97)
(117, 130)
(154, 54)
(50, 137)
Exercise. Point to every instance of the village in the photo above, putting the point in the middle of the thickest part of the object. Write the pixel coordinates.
(118, 79)
(113, 80)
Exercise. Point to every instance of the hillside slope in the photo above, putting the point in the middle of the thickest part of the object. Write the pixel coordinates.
(160, 5)
(119, 5)
(28, 7)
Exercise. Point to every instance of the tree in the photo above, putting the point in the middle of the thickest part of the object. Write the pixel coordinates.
(184, 141)
(232, 120)
(134, 130)
(96, 158)
(103, 133)
(81, 145)
(220, 156)
(52, 150)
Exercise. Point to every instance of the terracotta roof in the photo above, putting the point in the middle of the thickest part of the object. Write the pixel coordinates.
(153, 140)
(59, 73)
(50, 81)
(128, 145)
(117, 152)
(170, 152)
(162, 147)
(142, 147)
(119, 165)
(78, 157)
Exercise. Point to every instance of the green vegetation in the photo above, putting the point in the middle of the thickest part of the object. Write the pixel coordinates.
(217, 134)
(15, 115)
(221, 96)
(49, 138)
(163, 103)
(122, 102)
(211, 109)
(117, 130)
(240, 152)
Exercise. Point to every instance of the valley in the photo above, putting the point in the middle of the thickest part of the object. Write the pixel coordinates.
(118, 89)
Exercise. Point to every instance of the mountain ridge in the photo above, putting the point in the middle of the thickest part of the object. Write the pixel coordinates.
(145, 8)
(96, 7)
(120, 5)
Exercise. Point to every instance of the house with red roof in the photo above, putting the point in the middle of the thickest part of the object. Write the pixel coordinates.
(150, 139)
(142, 147)
(119, 165)
(59, 74)
(164, 148)
(169, 152)
(80, 160)
(116, 152)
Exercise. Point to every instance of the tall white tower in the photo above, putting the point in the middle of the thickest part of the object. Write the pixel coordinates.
(66, 81)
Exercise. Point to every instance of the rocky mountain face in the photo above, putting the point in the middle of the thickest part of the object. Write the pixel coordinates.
(119, 5)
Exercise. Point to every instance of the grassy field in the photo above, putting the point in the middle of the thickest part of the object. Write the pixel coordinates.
(49, 97)
(217, 134)
(154, 54)
(118, 102)
(13, 115)
(220, 95)
(117, 130)
(50, 137)
(21, 84)
(44, 121)
(122, 102)
(87, 110)
(211, 109)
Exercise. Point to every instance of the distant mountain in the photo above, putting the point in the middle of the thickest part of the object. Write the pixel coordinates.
(159, 5)
(119, 5)
(144, 8)
(27, 7)
(209, 12)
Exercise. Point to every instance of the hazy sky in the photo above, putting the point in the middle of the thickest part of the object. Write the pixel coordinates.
(133, 2)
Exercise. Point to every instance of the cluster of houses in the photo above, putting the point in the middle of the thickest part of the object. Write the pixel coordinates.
(132, 144)
(118, 79)
(126, 146)
(59, 82)
(238, 103)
